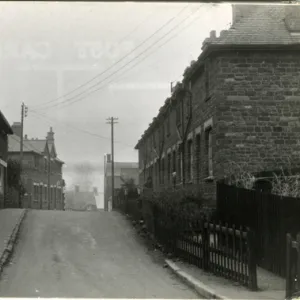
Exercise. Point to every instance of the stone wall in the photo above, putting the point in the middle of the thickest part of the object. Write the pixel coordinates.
(253, 106)
(258, 110)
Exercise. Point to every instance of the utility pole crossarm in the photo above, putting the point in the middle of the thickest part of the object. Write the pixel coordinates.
(112, 121)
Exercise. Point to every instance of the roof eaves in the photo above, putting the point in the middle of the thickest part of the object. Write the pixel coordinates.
(214, 47)
(8, 127)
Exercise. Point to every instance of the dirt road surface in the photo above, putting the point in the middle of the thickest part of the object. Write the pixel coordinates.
(86, 255)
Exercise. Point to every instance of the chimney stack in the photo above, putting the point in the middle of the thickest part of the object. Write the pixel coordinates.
(213, 34)
(26, 137)
(17, 128)
(50, 138)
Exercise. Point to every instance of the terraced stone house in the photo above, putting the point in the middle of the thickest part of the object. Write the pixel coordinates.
(6, 130)
(238, 105)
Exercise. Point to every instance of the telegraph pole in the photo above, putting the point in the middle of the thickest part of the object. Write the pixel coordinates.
(112, 121)
(24, 110)
(48, 181)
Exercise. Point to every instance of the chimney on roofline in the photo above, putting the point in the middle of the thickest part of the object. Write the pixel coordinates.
(26, 137)
(17, 128)
(50, 136)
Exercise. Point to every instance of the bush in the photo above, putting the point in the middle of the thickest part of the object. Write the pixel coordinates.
(181, 203)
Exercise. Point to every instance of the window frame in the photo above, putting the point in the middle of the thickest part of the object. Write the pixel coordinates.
(198, 156)
(169, 157)
(208, 151)
(162, 169)
(190, 159)
(2, 181)
(178, 113)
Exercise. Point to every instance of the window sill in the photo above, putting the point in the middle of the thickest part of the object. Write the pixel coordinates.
(209, 179)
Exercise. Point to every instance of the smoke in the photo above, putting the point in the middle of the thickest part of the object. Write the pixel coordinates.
(84, 175)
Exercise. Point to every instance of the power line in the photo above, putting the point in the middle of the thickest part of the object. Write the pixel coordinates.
(69, 101)
(126, 36)
(42, 116)
(168, 40)
(117, 62)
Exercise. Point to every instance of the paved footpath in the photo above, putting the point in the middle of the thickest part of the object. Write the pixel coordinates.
(209, 286)
(69, 254)
(10, 220)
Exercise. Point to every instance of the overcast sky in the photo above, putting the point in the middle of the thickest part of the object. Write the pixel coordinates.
(48, 50)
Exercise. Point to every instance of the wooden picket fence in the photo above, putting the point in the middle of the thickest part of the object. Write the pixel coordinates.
(270, 216)
(217, 248)
(292, 266)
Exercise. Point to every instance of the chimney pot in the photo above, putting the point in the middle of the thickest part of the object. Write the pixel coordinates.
(26, 137)
(223, 32)
(213, 34)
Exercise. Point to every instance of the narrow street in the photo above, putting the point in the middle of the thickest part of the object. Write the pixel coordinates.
(87, 255)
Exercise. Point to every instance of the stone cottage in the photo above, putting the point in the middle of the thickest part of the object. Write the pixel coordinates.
(238, 105)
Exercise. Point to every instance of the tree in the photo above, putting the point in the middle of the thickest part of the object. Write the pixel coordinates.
(14, 179)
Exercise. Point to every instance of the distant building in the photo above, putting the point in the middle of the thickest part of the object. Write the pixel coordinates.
(122, 171)
(5, 131)
(40, 164)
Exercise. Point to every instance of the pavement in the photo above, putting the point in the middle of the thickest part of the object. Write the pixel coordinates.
(67, 254)
(210, 286)
(10, 221)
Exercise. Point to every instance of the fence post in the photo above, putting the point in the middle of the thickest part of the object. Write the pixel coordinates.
(288, 289)
(298, 260)
(205, 241)
(252, 259)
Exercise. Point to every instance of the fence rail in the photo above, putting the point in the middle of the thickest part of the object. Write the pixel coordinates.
(224, 251)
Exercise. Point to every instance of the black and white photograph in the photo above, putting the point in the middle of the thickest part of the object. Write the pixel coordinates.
(150, 150)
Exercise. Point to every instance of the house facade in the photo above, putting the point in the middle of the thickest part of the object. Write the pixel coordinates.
(6, 130)
(42, 171)
(122, 171)
(237, 106)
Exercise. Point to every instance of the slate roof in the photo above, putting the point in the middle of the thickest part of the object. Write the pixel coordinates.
(262, 25)
(36, 146)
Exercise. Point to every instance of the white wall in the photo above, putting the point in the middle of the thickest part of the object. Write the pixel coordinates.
(100, 201)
